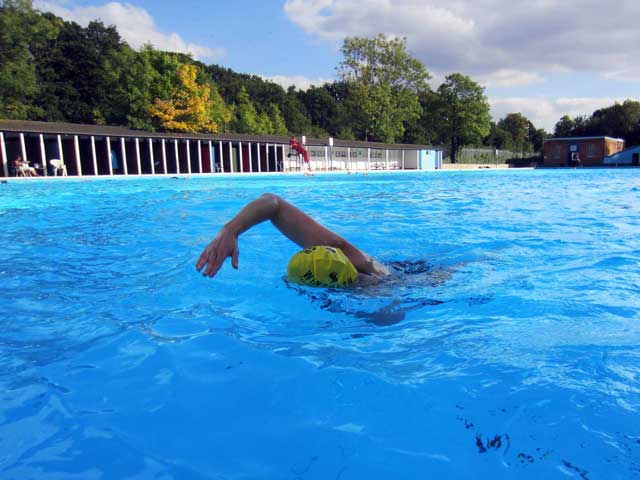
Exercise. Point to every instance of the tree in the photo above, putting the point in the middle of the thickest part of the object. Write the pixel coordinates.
(384, 83)
(221, 113)
(517, 127)
(146, 76)
(278, 125)
(191, 106)
(498, 138)
(22, 32)
(295, 114)
(247, 119)
(322, 107)
(618, 120)
(536, 137)
(423, 130)
(564, 127)
(97, 94)
(463, 113)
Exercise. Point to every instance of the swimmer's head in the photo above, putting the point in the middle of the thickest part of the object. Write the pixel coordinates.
(322, 266)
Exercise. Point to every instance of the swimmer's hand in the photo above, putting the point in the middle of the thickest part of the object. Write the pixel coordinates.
(213, 256)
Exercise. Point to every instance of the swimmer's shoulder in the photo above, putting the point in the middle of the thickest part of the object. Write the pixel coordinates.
(378, 274)
(366, 279)
(379, 269)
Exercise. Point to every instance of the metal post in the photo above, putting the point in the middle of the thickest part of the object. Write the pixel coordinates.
(164, 157)
(267, 155)
(259, 162)
(368, 159)
(330, 158)
(250, 160)
(43, 155)
(199, 157)
(138, 157)
(23, 148)
(93, 154)
(387, 158)
(220, 154)
(153, 163)
(76, 148)
(402, 159)
(282, 149)
(240, 157)
(189, 156)
(123, 151)
(326, 158)
(3, 152)
(348, 158)
(231, 169)
(109, 156)
(60, 151)
(211, 162)
(175, 146)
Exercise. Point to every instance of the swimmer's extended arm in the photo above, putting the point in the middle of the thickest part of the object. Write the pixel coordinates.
(293, 222)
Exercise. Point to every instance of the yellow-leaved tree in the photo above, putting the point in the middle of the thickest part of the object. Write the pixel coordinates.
(192, 107)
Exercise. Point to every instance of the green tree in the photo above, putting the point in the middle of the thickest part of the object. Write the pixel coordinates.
(463, 113)
(147, 75)
(536, 137)
(423, 130)
(322, 107)
(564, 127)
(294, 112)
(517, 126)
(498, 138)
(618, 120)
(247, 119)
(220, 112)
(22, 32)
(264, 124)
(278, 125)
(93, 96)
(384, 84)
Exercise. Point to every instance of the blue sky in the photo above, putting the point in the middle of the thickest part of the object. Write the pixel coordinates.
(543, 58)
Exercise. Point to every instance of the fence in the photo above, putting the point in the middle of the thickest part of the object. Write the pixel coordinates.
(489, 156)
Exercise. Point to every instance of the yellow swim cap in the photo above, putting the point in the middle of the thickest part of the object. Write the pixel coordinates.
(322, 267)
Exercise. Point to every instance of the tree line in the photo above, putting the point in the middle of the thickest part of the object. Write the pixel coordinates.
(621, 120)
(56, 70)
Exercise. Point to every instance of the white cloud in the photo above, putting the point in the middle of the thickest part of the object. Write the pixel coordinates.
(508, 78)
(300, 82)
(135, 25)
(545, 112)
(630, 74)
(492, 36)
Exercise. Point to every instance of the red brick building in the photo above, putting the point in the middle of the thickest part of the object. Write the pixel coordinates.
(585, 151)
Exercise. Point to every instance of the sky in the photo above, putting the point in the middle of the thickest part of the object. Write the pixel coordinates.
(543, 58)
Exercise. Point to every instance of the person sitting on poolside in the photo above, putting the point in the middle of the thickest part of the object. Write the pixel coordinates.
(18, 165)
(23, 168)
(327, 259)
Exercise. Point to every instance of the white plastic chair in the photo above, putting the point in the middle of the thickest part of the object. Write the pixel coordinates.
(58, 166)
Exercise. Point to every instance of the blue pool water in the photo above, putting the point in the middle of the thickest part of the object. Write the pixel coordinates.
(508, 349)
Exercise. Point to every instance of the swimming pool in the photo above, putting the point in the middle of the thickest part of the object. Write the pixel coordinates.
(509, 350)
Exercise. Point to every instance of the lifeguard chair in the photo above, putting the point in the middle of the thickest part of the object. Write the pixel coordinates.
(299, 152)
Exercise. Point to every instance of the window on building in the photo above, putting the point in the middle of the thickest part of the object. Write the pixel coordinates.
(591, 150)
(556, 151)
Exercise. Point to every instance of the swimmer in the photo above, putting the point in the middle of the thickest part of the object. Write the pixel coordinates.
(327, 259)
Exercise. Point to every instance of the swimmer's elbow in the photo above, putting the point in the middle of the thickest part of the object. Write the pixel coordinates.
(271, 198)
(272, 203)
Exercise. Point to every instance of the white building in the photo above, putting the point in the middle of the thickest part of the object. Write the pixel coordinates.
(628, 156)
(98, 150)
